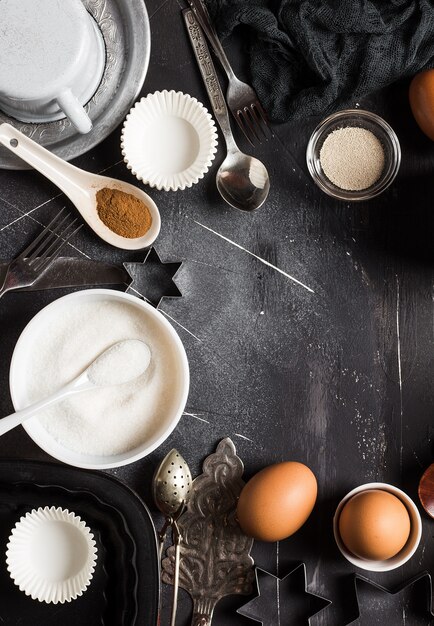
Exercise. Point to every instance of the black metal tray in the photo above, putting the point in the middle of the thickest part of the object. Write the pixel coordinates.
(125, 587)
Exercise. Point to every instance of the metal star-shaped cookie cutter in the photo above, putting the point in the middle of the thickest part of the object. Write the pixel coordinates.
(423, 576)
(152, 279)
(283, 600)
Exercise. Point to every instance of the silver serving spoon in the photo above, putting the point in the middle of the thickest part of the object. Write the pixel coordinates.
(242, 180)
(122, 362)
(170, 489)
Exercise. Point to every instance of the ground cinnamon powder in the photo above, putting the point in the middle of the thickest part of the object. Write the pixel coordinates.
(123, 213)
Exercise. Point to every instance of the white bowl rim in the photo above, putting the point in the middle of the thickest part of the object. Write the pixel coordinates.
(396, 561)
(32, 426)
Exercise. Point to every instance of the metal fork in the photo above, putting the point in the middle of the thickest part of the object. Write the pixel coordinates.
(240, 97)
(38, 256)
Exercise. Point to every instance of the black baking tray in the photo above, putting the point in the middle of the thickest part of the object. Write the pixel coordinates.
(125, 588)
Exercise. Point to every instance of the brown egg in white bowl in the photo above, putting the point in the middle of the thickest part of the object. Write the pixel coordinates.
(377, 527)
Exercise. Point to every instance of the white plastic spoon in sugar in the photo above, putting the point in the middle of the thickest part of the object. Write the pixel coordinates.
(121, 363)
(81, 187)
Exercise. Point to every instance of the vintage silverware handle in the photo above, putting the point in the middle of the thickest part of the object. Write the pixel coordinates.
(175, 583)
(74, 272)
(209, 76)
(202, 16)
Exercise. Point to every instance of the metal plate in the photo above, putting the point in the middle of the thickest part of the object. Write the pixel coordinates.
(126, 32)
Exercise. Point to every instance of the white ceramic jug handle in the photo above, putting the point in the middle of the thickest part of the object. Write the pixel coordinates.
(74, 111)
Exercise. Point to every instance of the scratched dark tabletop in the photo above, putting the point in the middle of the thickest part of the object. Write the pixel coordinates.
(338, 376)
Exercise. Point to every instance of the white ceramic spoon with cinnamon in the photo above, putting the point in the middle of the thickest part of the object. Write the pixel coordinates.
(81, 187)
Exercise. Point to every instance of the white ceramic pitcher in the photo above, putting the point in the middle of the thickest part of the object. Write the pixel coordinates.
(52, 58)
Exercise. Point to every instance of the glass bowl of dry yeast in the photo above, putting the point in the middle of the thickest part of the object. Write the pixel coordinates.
(353, 155)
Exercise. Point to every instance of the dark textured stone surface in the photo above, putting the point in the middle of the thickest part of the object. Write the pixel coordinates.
(324, 378)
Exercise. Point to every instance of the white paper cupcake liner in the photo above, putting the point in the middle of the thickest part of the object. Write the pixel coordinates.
(169, 140)
(51, 555)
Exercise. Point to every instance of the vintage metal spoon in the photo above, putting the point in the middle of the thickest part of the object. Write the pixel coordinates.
(170, 490)
(242, 180)
(106, 370)
(80, 187)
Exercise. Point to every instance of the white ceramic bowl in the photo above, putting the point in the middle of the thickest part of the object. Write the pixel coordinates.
(51, 555)
(403, 555)
(19, 387)
(169, 140)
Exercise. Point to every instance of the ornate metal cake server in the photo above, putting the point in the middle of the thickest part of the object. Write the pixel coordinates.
(215, 560)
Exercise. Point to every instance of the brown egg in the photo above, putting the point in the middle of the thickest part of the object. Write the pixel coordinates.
(277, 501)
(421, 96)
(374, 525)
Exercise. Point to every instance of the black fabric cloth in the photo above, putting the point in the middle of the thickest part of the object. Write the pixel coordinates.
(309, 57)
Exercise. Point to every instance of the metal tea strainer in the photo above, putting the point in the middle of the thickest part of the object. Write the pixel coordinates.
(170, 489)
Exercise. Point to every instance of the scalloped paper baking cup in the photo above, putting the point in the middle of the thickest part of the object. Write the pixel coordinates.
(169, 140)
(51, 555)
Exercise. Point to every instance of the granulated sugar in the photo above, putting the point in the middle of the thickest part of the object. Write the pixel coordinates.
(120, 364)
(352, 158)
(105, 421)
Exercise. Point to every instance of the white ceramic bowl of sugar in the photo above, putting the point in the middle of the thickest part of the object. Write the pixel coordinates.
(86, 442)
